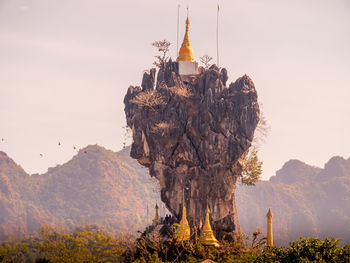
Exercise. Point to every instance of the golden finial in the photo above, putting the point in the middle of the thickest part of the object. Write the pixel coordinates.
(269, 241)
(207, 236)
(183, 231)
(186, 51)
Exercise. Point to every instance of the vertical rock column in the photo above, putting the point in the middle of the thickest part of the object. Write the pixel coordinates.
(191, 136)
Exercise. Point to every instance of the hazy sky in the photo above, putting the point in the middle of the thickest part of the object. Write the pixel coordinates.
(65, 66)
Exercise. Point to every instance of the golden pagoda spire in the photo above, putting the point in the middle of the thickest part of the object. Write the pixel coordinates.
(269, 241)
(186, 51)
(207, 236)
(183, 231)
(156, 216)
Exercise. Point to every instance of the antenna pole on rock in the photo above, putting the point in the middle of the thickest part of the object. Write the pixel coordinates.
(217, 36)
(177, 34)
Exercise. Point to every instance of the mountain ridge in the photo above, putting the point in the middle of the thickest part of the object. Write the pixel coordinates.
(99, 186)
(314, 204)
(95, 187)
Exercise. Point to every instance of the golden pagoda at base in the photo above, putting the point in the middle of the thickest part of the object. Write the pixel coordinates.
(183, 231)
(207, 236)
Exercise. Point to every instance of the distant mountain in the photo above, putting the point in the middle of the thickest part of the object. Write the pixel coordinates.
(97, 186)
(305, 200)
(112, 190)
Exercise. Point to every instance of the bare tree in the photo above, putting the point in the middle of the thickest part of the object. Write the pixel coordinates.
(205, 60)
(163, 48)
(251, 165)
(262, 130)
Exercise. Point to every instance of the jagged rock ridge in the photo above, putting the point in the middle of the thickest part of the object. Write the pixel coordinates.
(191, 135)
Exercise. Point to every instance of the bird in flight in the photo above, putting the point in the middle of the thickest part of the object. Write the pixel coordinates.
(74, 147)
(59, 143)
(41, 155)
(2, 139)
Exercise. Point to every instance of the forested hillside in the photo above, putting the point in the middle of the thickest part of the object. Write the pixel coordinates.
(112, 190)
(305, 200)
(97, 186)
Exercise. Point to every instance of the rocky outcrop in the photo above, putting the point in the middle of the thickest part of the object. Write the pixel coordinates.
(191, 135)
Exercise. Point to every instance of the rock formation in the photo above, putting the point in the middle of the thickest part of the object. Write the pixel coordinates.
(192, 135)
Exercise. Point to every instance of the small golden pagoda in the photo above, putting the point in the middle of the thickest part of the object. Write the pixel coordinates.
(156, 217)
(183, 231)
(186, 51)
(207, 236)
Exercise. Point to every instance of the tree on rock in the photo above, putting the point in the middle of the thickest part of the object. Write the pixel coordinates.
(163, 48)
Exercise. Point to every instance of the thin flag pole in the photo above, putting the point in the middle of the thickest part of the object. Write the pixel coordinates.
(217, 36)
(177, 36)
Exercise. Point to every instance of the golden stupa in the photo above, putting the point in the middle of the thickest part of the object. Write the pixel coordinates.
(183, 231)
(186, 51)
(207, 236)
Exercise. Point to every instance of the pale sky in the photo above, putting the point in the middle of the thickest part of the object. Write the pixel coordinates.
(65, 66)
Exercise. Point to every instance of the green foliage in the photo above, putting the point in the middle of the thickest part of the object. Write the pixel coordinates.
(54, 245)
(252, 168)
(19, 250)
(304, 250)
(85, 246)
(307, 249)
(153, 249)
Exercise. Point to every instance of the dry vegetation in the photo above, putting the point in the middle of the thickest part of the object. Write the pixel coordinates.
(262, 130)
(181, 91)
(149, 98)
(205, 60)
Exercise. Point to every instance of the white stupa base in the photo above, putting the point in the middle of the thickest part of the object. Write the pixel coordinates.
(188, 68)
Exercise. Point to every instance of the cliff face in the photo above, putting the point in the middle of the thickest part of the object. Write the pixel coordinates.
(191, 135)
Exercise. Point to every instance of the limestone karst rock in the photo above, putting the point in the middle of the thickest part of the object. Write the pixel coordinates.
(192, 135)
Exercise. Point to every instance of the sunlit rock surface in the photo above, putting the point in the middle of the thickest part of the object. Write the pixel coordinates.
(191, 135)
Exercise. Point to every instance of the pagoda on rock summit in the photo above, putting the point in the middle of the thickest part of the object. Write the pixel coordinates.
(187, 66)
